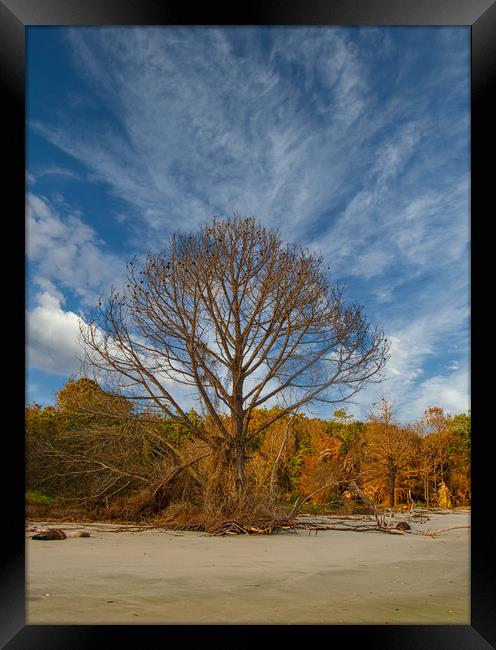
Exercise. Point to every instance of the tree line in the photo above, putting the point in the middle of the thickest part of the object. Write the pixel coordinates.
(99, 453)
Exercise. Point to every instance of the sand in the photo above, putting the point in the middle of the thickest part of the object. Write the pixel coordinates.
(171, 577)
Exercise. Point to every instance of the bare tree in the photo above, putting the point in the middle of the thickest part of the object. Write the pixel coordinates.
(241, 319)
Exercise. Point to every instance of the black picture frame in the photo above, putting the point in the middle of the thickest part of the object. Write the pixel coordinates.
(15, 16)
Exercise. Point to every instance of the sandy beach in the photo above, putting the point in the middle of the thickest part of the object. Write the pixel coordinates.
(172, 577)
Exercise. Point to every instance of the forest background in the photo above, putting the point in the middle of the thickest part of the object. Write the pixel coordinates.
(94, 455)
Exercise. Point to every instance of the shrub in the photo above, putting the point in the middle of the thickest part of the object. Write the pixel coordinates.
(34, 497)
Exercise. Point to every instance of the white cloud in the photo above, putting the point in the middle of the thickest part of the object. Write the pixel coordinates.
(52, 336)
(288, 132)
(393, 155)
(53, 344)
(451, 392)
(417, 340)
(67, 252)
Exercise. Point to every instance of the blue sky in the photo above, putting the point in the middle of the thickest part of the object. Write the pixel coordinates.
(352, 141)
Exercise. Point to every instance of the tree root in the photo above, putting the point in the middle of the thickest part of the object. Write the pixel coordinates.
(232, 527)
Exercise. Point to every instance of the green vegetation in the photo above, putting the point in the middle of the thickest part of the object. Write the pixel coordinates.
(34, 497)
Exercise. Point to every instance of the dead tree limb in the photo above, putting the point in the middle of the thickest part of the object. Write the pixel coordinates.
(433, 533)
(277, 461)
(297, 502)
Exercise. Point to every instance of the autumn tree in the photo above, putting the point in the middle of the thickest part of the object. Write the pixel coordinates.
(87, 447)
(437, 427)
(390, 447)
(349, 434)
(337, 459)
(320, 472)
(460, 452)
(93, 447)
(40, 427)
(270, 454)
(444, 453)
(240, 318)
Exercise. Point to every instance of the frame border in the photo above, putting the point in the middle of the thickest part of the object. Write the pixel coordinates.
(15, 16)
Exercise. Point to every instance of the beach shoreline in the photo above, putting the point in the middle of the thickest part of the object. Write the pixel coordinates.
(157, 576)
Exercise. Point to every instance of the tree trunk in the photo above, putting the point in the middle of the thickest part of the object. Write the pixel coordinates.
(226, 486)
(391, 481)
(239, 445)
(226, 492)
(275, 467)
(239, 462)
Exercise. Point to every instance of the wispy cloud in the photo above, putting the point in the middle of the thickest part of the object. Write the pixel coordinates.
(180, 143)
(354, 142)
(61, 172)
(417, 342)
(380, 230)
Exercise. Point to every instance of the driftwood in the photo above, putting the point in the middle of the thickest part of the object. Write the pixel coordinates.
(433, 533)
(56, 533)
(236, 528)
(383, 524)
(50, 534)
(77, 533)
(291, 525)
(382, 520)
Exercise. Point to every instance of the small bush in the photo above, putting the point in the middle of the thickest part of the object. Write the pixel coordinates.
(34, 497)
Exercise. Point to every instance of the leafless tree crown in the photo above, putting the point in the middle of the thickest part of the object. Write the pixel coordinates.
(241, 318)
